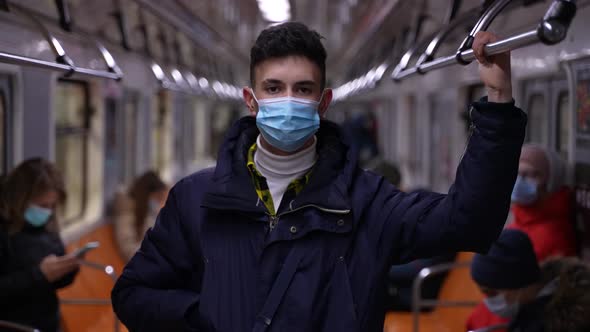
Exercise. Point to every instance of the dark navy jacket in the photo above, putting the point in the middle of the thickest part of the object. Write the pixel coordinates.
(211, 264)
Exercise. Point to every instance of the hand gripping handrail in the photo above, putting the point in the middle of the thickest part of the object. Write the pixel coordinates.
(110, 272)
(63, 63)
(551, 30)
(482, 25)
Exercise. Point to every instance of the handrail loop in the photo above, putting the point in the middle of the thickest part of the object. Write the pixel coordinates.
(63, 62)
(551, 30)
(463, 19)
(483, 24)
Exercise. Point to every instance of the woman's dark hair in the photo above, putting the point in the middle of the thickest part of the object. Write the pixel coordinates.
(291, 38)
(28, 180)
(140, 191)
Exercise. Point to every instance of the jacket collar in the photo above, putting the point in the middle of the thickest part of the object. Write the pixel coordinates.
(328, 187)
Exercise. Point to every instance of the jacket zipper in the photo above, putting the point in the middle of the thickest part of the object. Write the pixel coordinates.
(274, 219)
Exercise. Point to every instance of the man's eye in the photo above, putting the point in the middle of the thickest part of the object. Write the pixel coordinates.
(272, 89)
(304, 91)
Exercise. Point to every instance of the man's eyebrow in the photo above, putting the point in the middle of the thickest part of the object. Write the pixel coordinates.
(272, 81)
(306, 83)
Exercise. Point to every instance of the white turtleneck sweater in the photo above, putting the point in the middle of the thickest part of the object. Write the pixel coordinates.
(279, 171)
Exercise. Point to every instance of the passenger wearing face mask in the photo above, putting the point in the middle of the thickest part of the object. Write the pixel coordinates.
(542, 205)
(551, 298)
(136, 210)
(542, 208)
(287, 232)
(33, 260)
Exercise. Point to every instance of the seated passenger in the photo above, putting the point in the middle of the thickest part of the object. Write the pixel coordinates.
(542, 205)
(136, 211)
(542, 208)
(34, 264)
(553, 298)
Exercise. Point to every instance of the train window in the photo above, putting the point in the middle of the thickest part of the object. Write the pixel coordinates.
(190, 135)
(563, 124)
(72, 127)
(2, 133)
(221, 120)
(121, 140)
(131, 109)
(5, 121)
(537, 119)
(160, 120)
(180, 117)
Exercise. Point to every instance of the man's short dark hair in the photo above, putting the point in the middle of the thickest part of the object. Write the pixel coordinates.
(291, 38)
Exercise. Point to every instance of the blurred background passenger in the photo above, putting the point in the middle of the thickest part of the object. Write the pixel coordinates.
(401, 277)
(542, 207)
(34, 264)
(553, 298)
(542, 204)
(136, 211)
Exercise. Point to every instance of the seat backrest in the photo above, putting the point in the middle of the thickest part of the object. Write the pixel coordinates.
(458, 286)
(92, 284)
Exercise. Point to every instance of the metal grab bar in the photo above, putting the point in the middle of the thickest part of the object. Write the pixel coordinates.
(401, 70)
(17, 327)
(464, 19)
(418, 303)
(68, 70)
(551, 30)
(482, 24)
(63, 62)
(430, 46)
(109, 271)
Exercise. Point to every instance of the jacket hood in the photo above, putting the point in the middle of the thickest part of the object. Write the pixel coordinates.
(557, 206)
(569, 307)
(330, 181)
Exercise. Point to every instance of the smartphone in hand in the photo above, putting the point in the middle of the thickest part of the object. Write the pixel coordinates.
(80, 252)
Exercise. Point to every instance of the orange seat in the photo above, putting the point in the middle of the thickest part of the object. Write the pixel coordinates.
(93, 284)
(458, 286)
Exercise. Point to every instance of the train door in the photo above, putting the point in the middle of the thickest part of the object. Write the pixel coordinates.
(6, 111)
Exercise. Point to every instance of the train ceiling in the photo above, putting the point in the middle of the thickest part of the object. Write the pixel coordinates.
(213, 37)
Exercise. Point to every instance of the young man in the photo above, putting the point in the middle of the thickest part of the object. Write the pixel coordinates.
(286, 233)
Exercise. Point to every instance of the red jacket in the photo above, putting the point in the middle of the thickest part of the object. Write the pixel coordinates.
(550, 228)
(548, 224)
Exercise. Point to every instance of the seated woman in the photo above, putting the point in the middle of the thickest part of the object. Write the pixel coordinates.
(542, 208)
(34, 264)
(136, 211)
(554, 297)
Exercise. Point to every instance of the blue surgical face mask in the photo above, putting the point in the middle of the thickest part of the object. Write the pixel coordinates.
(37, 216)
(498, 305)
(287, 122)
(525, 191)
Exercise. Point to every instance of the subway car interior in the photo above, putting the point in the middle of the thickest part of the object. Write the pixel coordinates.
(108, 90)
